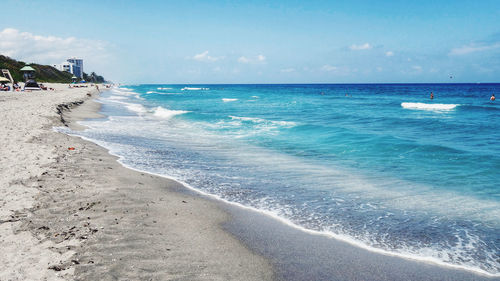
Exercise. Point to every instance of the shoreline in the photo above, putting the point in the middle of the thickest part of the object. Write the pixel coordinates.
(234, 226)
(91, 218)
(377, 259)
(452, 269)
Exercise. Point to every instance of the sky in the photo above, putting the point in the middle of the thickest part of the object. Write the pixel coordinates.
(206, 41)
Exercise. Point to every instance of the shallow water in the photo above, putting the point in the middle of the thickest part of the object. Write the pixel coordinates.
(381, 166)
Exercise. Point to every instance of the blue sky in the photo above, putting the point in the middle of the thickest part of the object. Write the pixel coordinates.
(261, 41)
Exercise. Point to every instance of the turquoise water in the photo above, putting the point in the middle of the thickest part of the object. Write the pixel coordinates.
(380, 166)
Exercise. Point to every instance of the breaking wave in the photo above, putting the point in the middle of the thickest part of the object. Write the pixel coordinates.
(428, 106)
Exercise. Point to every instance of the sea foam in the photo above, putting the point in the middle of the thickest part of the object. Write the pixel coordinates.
(193, 89)
(164, 113)
(428, 106)
(260, 120)
(136, 108)
(157, 112)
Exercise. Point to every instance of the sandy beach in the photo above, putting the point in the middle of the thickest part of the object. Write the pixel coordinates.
(69, 211)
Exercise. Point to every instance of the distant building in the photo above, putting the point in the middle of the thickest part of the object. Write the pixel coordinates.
(77, 66)
(72, 65)
(65, 66)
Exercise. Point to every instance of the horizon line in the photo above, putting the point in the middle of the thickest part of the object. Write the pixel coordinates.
(313, 83)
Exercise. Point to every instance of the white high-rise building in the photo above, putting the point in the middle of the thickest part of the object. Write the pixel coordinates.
(77, 66)
(72, 65)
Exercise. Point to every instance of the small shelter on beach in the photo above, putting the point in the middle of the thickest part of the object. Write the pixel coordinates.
(28, 72)
(29, 78)
(74, 78)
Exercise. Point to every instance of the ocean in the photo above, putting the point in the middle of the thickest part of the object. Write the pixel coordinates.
(380, 166)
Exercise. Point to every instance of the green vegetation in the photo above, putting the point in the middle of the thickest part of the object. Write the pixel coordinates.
(44, 73)
(93, 77)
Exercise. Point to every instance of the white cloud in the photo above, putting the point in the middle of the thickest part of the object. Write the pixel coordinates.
(205, 57)
(257, 59)
(417, 68)
(365, 46)
(287, 70)
(389, 53)
(29, 47)
(473, 48)
(328, 67)
(243, 59)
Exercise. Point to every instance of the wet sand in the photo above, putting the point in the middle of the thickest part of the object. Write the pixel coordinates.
(298, 256)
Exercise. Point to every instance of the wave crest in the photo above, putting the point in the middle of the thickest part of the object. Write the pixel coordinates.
(136, 108)
(428, 106)
(260, 120)
(157, 112)
(164, 113)
(193, 89)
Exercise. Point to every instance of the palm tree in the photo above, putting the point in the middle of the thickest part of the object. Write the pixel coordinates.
(92, 76)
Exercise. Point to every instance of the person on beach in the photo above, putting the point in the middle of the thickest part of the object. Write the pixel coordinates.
(492, 97)
(16, 86)
(97, 87)
(432, 96)
(5, 87)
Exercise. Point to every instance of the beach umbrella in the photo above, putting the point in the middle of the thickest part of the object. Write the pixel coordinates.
(83, 81)
(3, 79)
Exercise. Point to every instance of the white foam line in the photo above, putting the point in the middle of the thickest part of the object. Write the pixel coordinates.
(340, 237)
(428, 106)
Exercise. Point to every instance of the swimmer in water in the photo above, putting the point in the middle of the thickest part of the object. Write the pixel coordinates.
(432, 96)
(492, 97)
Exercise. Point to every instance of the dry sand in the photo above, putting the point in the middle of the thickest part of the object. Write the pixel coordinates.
(79, 215)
